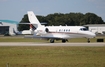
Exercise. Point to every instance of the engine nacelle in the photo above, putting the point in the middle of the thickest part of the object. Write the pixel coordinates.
(41, 31)
(47, 30)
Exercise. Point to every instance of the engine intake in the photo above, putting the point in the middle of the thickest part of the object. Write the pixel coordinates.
(47, 30)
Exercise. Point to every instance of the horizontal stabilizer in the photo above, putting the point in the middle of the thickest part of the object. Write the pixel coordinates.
(32, 23)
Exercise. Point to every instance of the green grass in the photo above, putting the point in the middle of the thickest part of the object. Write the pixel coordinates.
(52, 56)
(21, 39)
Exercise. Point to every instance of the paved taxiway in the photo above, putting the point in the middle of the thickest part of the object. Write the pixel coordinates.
(48, 44)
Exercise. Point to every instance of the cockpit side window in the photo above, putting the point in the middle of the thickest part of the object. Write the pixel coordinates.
(83, 29)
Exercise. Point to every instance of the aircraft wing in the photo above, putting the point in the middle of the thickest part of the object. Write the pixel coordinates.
(31, 23)
(10, 21)
(49, 36)
(43, 37)
(17, 22)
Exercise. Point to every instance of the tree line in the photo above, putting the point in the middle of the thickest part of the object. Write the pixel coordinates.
(70, 19)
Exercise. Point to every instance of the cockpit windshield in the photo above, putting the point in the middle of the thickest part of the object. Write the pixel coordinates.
(83, 29)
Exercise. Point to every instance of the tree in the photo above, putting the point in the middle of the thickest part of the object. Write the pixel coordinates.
(91, 18)
(70, 19)
(22, 27)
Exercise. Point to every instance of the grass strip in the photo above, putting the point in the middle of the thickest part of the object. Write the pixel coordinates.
(21, 39)
(52, 56)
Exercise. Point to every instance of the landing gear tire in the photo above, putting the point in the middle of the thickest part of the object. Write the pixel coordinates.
(52, 41)
(64, 40)
(88, 40)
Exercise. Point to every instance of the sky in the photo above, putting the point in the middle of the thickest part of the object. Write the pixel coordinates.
(16, 9)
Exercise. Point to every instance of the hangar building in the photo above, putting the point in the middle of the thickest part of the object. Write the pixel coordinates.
(8, 27)
(96, 28)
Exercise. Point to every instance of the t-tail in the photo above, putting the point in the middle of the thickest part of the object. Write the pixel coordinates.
(33, 19)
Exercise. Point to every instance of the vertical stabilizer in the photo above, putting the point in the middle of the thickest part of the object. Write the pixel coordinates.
(33, 19)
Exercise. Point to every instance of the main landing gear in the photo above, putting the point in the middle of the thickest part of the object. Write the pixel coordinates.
(88, 40)
(51, 40)
(63, 40)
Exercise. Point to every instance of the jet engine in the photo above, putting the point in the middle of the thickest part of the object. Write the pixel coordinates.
(41, 31)
(47, 30)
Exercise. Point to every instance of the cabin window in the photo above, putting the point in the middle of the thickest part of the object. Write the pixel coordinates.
(84, 29)
(64, 30)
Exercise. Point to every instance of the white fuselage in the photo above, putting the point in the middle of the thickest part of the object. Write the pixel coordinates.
(64, 32)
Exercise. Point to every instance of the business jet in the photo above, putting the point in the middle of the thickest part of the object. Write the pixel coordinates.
(58, 32)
